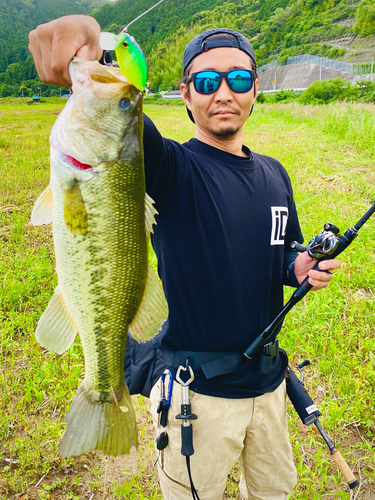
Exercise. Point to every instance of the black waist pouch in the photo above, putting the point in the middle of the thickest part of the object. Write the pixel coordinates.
(142, 367)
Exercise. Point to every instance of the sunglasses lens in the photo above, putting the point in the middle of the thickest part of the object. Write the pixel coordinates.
(206, 82)
(240, 80)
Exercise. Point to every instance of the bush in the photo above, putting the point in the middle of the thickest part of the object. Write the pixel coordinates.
(261, 98)
(7, 90)
(325, 91)
(278, 96)
(282, 96)
(366, 91)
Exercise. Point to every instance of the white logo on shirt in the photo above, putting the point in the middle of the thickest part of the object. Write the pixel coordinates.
(279, 222)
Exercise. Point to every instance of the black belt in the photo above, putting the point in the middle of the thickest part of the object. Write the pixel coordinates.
(214, 364)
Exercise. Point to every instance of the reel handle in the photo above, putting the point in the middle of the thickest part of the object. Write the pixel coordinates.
(297, 247)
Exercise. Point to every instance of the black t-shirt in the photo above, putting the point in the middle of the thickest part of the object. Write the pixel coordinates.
(223, 228)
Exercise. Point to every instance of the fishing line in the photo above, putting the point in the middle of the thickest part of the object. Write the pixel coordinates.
(144, 13)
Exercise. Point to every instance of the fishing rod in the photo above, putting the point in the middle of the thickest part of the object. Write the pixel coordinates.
(325, 246)
(309, 413)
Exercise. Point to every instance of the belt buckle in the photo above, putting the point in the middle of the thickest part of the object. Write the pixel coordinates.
(272, 349)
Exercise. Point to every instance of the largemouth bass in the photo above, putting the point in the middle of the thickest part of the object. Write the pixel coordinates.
(101, 218)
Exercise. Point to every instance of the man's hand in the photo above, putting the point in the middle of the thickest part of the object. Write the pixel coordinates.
(53, 46)
(303, 267)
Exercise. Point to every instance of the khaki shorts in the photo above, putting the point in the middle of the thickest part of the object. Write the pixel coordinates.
(251, 431)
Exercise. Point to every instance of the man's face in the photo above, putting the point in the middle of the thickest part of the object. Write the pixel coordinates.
(224, 112)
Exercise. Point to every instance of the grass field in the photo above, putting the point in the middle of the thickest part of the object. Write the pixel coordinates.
(329, 152)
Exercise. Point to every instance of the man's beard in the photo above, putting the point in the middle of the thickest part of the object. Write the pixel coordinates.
(225, 130)
(225, 133)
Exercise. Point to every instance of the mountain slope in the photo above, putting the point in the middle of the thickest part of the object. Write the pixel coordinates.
(276, 28)
(18, 17)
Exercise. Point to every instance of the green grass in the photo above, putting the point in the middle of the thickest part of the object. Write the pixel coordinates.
(329, 154)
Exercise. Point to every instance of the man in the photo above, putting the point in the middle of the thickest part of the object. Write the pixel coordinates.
(226, 220)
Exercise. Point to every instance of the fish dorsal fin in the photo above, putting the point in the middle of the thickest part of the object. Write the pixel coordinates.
(153, 310)
(150, 212)
(56, 329)
(43, 209)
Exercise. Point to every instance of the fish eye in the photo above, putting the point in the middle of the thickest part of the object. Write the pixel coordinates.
(124, 104)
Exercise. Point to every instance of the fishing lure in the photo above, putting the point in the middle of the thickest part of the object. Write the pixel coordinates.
(129, 56)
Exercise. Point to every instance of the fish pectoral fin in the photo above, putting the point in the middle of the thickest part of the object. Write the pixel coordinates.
(43, 209)
(75, 213)
(150, 213)
(56, 329)
(153, 310)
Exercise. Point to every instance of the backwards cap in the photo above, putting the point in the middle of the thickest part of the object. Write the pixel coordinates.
(199, 44)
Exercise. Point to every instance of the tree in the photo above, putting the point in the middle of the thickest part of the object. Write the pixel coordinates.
(365, 18)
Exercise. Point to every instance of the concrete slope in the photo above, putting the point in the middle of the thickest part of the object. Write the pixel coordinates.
(301, 75)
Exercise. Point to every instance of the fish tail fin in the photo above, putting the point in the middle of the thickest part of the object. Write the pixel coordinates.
(92, 425)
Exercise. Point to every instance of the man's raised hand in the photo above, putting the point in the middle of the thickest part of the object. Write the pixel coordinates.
(53, 45)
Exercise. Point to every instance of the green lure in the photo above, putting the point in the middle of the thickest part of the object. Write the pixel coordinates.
(131, 60)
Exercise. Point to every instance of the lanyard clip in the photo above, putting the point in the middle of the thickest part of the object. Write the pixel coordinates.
(185, 414)
(186, 429)
(163, 408)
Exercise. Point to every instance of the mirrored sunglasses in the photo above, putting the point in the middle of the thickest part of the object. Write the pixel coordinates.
(207, 82)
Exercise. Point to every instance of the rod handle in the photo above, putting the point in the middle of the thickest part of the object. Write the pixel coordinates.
(345, 469)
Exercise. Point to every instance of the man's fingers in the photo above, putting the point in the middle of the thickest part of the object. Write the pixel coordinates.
(60, 59)
(34, 49)
(58, 53)
(320, 279)
(319, 276)
(329, 265)
(53, 45)
(91, 51)
(317, 285)
(38, 61)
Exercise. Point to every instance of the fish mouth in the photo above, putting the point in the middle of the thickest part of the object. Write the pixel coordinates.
(74, 163)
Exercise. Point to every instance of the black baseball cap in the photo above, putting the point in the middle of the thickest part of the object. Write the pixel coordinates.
(200, 44)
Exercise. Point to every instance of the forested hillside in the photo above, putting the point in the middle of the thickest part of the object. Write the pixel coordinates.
(271, 24)
(17, 19)
(276, 28)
